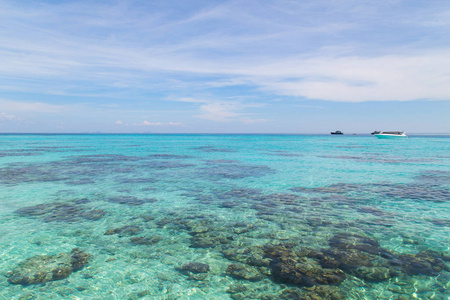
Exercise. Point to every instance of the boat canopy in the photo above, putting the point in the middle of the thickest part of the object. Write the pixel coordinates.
(392, 132)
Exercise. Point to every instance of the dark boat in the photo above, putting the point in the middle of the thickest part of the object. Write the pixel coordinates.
(375, 132)
(337, 132)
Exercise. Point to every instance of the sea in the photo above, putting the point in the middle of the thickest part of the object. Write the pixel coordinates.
(185, 216)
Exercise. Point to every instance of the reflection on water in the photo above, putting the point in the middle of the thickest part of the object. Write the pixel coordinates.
(220, 217)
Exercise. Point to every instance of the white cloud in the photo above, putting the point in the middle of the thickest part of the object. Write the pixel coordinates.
(175, 124)
(220, 112)
(7, 117)
(440, 19)
(20, 106)
(223, 110)
(310, 106)
(190, 100)
(231, 43)
(357, 79)
(246, 120)
(147, 123)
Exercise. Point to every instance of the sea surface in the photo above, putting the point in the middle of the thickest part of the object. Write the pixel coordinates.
(224, 217)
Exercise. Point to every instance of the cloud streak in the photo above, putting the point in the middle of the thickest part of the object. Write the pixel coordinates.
(36, 107)
(78, 51)
(7, 117)
(149, 124)
(227, 110)
(357, 79)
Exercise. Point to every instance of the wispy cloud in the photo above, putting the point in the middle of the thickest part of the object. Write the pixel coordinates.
(256, 48)
(147, 123)
(394, 77)
(7, 117)
(310, 106)
(357, 79)
(224, 110)
(220, 112)
(21, 106)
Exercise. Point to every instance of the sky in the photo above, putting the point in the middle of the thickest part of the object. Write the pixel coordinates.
(241, 66)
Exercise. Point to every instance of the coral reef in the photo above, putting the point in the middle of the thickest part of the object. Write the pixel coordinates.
(131, 200)
(294, 267)
(73, 211)
(140, 240)
(127, 230)
(243, 271)
(43, 268)
(195, 267)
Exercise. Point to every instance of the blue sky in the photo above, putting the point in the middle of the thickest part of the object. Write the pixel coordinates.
(244, 66)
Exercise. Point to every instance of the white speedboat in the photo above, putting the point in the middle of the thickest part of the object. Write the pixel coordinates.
(391, 135)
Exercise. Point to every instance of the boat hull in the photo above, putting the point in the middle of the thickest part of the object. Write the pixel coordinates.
(390, 136)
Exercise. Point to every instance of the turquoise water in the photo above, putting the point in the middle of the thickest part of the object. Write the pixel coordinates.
(224, 217)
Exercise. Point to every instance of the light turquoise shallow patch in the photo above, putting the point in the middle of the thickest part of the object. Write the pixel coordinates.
(165, 200)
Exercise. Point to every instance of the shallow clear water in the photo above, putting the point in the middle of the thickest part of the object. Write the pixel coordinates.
(318, 217)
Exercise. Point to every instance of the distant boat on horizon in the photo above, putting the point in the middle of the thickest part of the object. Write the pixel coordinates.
(337, 132)
(391, 135)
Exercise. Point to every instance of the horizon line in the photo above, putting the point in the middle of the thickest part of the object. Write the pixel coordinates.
(198, 133)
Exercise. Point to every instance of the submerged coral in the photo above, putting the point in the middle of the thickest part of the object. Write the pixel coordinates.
(195, 270)
(43, 268)
(293, 267)
(140, 240)
(425, 262)
(425, 191)
(235, 171)
(365, 258)
(251, 255)
(128, 230)
(195, 267)
(164, 165)
(243, 271)
(131, 200)
(210, 239)
(434, 177)
(72, 211)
